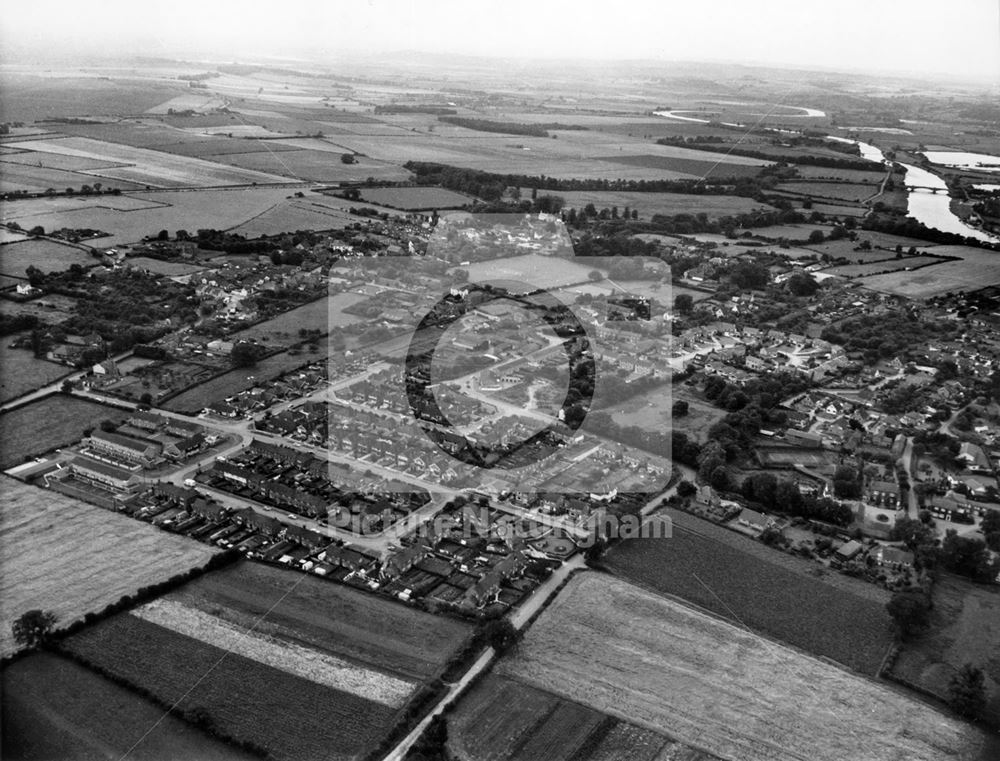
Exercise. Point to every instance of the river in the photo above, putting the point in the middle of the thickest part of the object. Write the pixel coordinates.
(925, 206)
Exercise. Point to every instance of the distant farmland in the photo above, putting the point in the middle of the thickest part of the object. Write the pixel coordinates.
(63, 555)
(292, 664)
(659, 664)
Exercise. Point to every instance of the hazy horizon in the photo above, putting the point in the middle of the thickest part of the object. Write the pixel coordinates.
(919, 38)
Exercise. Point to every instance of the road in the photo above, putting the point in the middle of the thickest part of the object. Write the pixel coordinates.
(541, 597)
(912, 507)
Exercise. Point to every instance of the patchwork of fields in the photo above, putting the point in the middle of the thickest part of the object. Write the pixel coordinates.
(714, 686)
(72, 558)
(290, 663)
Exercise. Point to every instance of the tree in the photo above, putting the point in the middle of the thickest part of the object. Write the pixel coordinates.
(991, 529)
(846, 483)
(911, 532)
(967, 556)
(751, 275)
(967, 691)
(802, 284)
(347, 158)
(163, 235)
(34, 628)
(146, 399)
(244, 354)
(680, 408)
(910, 611)
(816, 236)
(683, 303)
(686, 489)
(595, 275)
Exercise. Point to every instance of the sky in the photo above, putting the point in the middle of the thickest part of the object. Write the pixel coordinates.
(954, 37)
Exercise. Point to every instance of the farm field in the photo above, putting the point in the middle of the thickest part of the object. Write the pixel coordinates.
(977, 266)
(46, 255)
(886, 265)
(65, 417)
(965, 628)
(416, 199)
(652, 411)
(340, 665)
(502, 718)
(175, 210)
(23, 372)
(38, 179)
(322, 314)
(293, 215)
(840, 191)
(711, 685)
(342, 621)
(291, 717)
(656, 203)
(537, 271)
(148, 167)
(54, 708)
(163, 267)
(43, 534)
(762, 589)
(704, 166)
(316, 166)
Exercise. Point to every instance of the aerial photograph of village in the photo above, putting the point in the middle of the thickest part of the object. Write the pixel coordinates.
(496, 382)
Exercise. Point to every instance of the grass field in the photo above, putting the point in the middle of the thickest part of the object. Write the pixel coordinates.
(536, 271)
(310, 669)
(54, 708)
(886, 265)
(965, 628)
(46, 255)
(755, 586)
(23, 372)
(417, 199)
(65, 419)
(652, 411)
(652, 661)
(323, 314)
(72, 558)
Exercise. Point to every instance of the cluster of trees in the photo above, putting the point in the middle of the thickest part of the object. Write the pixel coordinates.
(806, 159)
(784, 496)
(963, 555)
(847, 482)
(911, 228)
(491, 187)
(888, 335)
(15, 323)
(488, 125)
